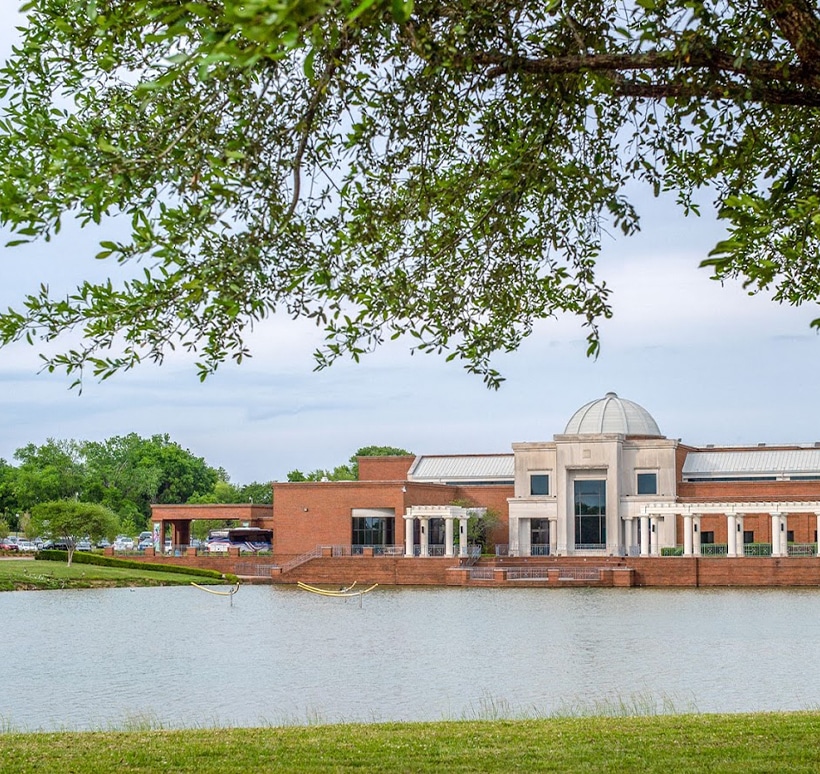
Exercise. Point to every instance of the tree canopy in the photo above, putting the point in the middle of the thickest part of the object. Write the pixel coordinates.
(438, 169)
(126, 474)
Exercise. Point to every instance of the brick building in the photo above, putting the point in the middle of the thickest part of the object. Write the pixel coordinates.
(610, 485)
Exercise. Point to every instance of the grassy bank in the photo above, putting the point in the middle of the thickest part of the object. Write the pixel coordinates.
(27, 574)
(665, 743)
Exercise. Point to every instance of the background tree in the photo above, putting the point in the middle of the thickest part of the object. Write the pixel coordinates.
(127, 474)
(226, 492)
(121, 474)
(256, 492)
(437, 169)
(71, 520)
(181, 473)
(9, 505)
(53, 471)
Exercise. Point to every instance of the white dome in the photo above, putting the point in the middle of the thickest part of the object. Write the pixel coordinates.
(612, 414)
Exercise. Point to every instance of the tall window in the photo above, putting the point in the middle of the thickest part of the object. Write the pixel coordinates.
(590, 513)
(539, 484)
(372, 531)
(647, 483)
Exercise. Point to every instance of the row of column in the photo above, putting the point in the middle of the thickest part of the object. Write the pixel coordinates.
(424, 535)
(650, 525)
(734, 531)
(650, 529)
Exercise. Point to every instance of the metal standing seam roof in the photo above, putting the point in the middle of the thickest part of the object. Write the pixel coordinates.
(752, 462)
(463, 468)
(612, 414)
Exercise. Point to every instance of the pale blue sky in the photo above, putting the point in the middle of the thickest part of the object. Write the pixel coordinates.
(712, 365)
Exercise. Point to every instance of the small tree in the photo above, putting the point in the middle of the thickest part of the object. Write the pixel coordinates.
(70, 520)
(480, 524)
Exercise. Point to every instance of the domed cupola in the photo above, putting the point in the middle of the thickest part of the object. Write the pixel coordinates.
(612, 414)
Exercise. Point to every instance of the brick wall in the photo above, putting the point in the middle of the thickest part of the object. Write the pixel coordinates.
(749, 491)
(685, 572)
(722, 571)
(384, 468)
(386, 571)
(307, 514)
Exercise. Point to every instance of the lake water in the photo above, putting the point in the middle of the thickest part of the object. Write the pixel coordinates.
(120, 658)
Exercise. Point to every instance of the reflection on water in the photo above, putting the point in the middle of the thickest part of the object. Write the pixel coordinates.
(181, 657)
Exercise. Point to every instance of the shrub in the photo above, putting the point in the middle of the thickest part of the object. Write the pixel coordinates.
(128, 564)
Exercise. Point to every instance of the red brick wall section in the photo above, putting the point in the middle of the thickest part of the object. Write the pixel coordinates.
(748, 491)
(384, 468)
(309, 514)
(680, 457)
(385, 571)
(313, 513)
(722, 571)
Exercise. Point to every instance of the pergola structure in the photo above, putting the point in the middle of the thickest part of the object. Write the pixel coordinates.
(734, 513)
(450, 513)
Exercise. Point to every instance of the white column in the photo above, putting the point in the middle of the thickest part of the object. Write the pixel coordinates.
(731, 534)
(653, 535)
(741, 543)
(462, 536)
(408, 535)
(696, 534)
(524, 537)
(687, 535)
(448, 536)
(784, 534)
(512, 549)
(627, 527)
(424, 539)
(645, 536)
(554, 535)
(775, 534)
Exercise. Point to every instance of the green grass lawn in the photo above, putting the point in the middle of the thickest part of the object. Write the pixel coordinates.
(689, 744)
(19, 574)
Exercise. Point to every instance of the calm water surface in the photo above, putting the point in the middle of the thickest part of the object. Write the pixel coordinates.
(181, 657)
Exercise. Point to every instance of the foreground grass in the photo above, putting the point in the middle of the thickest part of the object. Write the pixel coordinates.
(26, 574)
(665, 743)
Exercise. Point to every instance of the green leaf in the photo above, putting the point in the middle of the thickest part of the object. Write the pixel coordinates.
(360, 9)
(401, 10)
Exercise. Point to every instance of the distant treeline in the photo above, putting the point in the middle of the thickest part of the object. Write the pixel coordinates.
(125, 473)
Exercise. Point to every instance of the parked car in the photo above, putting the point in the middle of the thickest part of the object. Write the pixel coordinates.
(124, 544)
(9, 544)
(84, 545)
(26, 546)
(145, 543)
(58, 544)
(103, 543)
